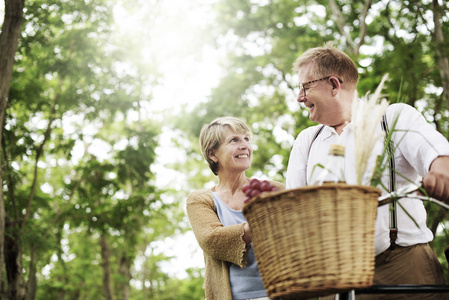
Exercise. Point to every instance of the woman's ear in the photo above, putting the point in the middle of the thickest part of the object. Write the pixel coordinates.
(212, 156)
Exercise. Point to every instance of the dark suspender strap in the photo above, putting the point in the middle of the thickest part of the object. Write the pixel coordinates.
(393, 215)
(317, 133)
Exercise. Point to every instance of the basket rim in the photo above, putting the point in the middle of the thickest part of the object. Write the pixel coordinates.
(266, 195)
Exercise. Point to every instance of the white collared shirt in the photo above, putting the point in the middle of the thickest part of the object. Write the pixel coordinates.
(418, 144)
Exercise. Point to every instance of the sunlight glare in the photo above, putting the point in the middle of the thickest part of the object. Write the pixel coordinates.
(175, 41)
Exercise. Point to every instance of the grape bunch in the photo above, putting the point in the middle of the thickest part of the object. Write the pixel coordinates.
(255, 187)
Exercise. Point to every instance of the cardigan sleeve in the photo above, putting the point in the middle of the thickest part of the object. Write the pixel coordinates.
(220, 242)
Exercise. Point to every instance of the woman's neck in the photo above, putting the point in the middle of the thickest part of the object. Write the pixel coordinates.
(231, 182)
(229, 189)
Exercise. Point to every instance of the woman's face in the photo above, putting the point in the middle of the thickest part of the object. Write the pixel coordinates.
(235, 152)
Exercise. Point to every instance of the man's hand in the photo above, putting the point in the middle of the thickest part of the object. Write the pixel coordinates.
(436, 182)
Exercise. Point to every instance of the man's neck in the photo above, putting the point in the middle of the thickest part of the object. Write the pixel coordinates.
(339, 128)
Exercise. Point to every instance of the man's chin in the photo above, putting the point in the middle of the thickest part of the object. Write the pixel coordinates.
(313, 118)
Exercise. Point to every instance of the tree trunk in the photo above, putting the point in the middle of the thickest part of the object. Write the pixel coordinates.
(9, 40)
(125, 264)
(13, 263)
(32, 280)
(61, 294)
(443, 62)
(106, 255)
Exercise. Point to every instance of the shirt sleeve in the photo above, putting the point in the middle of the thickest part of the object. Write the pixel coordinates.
(297, 164)
(417, 140)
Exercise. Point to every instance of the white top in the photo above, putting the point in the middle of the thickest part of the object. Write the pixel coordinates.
(418, 144)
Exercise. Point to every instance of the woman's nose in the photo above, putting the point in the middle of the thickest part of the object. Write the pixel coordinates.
(245, 144)
(301, 97)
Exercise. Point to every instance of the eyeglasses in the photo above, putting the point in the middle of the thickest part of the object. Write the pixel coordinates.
(302, 88)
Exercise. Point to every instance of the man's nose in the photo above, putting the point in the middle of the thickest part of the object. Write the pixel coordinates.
(301, 97)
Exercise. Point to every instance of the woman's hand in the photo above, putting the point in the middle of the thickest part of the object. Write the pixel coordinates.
(247, 234)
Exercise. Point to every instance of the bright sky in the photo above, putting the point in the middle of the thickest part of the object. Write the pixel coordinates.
(174, 39)
(189, 70)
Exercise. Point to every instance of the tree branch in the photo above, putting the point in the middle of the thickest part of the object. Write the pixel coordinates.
(341, 24)
(39, 152)
(363, 27)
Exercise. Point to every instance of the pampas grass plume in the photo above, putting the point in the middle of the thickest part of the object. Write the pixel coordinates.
(366, 116)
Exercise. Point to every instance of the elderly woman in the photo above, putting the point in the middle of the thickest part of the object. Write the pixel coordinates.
(216, 214)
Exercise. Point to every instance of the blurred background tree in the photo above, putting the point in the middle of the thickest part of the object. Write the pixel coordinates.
(82, 136)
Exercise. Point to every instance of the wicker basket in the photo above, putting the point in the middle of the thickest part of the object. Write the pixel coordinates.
(314, 241)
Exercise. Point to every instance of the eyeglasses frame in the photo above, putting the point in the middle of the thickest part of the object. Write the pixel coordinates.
(302, 89)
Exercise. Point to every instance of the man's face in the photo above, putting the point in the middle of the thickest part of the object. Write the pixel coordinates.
(316, 95)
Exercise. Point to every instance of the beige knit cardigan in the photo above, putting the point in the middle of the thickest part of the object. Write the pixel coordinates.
(221, 245)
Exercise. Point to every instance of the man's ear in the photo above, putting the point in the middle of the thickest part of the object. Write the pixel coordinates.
(335, 83)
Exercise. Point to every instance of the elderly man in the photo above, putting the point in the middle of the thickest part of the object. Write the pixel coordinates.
(328, 87)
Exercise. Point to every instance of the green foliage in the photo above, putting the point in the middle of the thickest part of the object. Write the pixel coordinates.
(266, 39)
(189, 288)
(68, 95)
(69, 276)
(79, 83)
